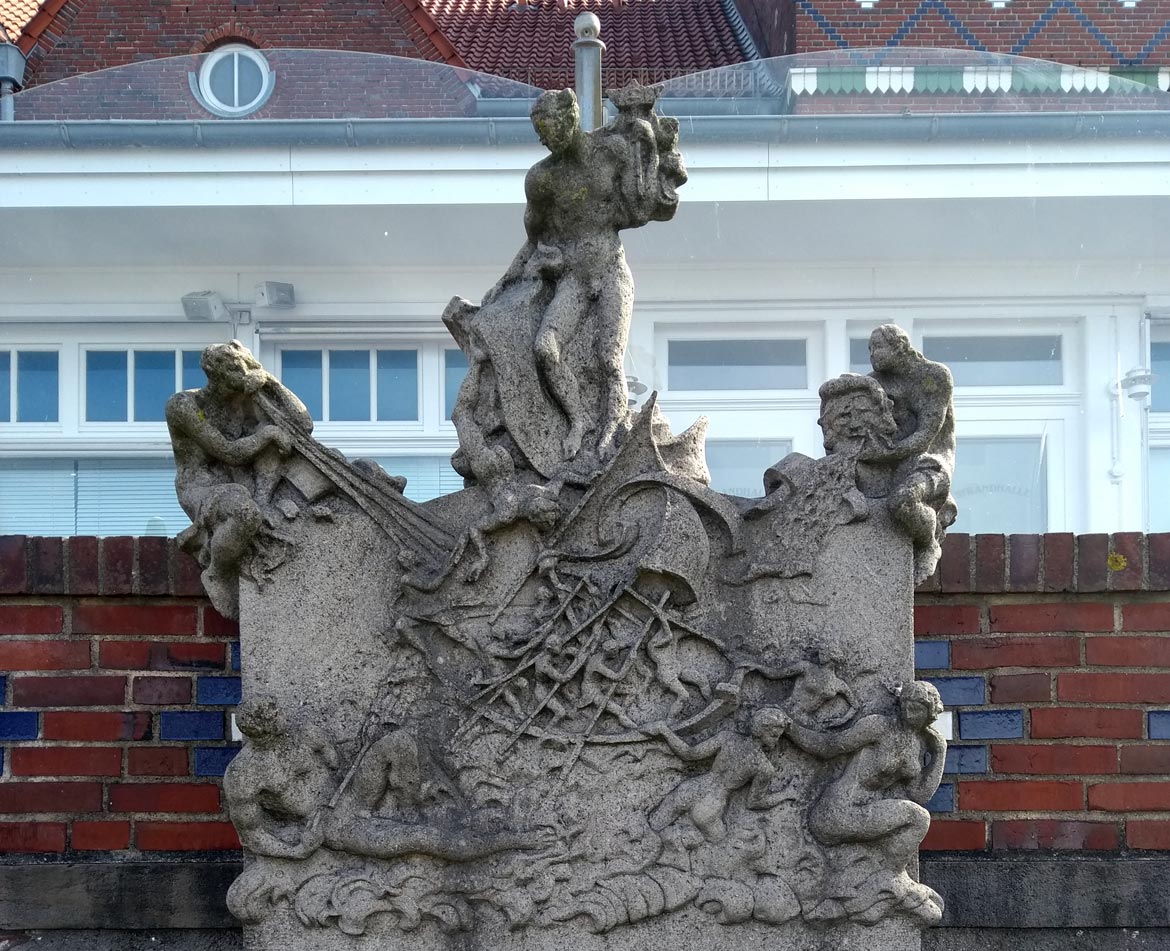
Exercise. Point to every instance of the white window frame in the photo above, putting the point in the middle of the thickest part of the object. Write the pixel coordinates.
(17, 429)
(201, 81)
(100, 426)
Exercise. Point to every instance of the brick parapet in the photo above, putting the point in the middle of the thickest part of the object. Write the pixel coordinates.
(117, 681)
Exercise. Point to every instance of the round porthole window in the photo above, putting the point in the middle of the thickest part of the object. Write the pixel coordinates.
(234, 80)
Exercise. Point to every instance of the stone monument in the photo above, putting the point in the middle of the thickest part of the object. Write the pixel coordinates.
(587, 702)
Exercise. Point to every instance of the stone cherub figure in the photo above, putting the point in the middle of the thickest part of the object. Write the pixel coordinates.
(229, 457)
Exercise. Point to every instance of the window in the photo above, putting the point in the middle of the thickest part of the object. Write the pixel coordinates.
(737, 365)
(427, 477)
(454, 370)
(1160, 364)
(354, 385)
(737, 465)
(29, 383)
(859, 355)
(1001, 485)
(999, 361)
(132, 386)
(233, 81)
(1156, 486)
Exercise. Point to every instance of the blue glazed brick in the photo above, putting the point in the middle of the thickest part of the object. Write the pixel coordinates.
(1160, 724)
(959, 691)
(184, 725)
(3, 684)
(943, 800)
(213, 760)
(932, 655)
(18, 726)
(966, 759)
(236, 656)
(218, 690)
(991, 724)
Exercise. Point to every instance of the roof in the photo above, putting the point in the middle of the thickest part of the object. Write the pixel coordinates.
(14, 14)
(647, 40)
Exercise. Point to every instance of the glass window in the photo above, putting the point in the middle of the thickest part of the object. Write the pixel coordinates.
(1001, 485)
(193, 376)
(5, 386)
(397, 384)
(737, 465)
(454, 371)
(859, 355)
(1158, 489)
(349, 384)
(300, 371)
(154, 382)
(37, 497)
(106, 377)
(1160, 360)
(36, 386)
(427, 477)
(999, 361)
(737, 365)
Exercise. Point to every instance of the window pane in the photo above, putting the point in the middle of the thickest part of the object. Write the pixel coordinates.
(397, 384)
(349, 384)
(5, 386)
(193, 376)
(454, 370)
(36, 386)
(251, 81)
(128, 497)
(154, 382)
(859, 355)
(223, 80)
(998, 361)
(1160, 358)
(427, 477)
(1001, 485)
(36, 497)
(737, 364)
(1156, 488)
(106, 380)
(737, 465)
(300, 371)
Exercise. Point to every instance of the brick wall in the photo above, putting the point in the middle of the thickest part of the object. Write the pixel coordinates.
(1052, 653)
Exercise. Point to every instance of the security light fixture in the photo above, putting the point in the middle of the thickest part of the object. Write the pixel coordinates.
(276, 295)
(205, 305)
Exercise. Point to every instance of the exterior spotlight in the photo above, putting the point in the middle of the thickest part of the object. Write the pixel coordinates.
(205, 305)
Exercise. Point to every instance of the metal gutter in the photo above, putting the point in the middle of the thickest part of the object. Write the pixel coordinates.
(374, 133)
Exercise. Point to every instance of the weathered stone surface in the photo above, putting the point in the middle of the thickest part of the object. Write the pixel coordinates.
(588, 701)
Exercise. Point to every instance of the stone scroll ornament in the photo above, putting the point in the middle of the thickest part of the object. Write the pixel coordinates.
(587, 701)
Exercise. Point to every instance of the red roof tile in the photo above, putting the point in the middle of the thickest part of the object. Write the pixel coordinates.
(648, 40)
(14, 14)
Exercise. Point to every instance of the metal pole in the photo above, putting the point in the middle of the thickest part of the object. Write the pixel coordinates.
(7, 112)
(587, 50)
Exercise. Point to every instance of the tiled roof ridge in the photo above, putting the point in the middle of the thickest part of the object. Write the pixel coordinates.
(432, 32)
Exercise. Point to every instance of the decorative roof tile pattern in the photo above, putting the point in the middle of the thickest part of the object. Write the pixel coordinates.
(647, 40)
(14, 14)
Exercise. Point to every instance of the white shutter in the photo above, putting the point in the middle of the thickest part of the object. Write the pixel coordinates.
(128, 497)
(427, 477)
(36, 497)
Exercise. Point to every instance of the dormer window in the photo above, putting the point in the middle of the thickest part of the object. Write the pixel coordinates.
(234, 81)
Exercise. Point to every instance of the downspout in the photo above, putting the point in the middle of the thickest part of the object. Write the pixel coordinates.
(12, 67)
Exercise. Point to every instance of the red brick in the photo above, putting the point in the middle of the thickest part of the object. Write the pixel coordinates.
(1092, 567)
(164, 797)
(946, 619)
(931, 585)
(157, 761)
(183, 656)
(1056, 618)
(100, 836)
(1021, 795)
(955, 835)
(1021, 688)
(989, 562)
(1058, 561)
(1158, 548)
(66, 761)
(1128, 651)
(83, 564)
(1145, 759)
(46, 565)
(1016, 652)
(44, 655)
(32, 837)
(1053, 834)
(1124, 562)
(1049, 759)
(216, 625)
(79, 691)
(185, 836)
(1114, 688)
(124, 655)
(162, 690)
(1056, 722)
(954, 569)
(1151, 616)
(155, 620)
(31, 619)
(1024, 564)
(1130, 797)
(96, 727)
(1148, 834)
(13, 565)
(117, 565)
(187, 575)
(153, 566)
(50, 797)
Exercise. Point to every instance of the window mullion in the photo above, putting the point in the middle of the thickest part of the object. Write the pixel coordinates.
(131, 363)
